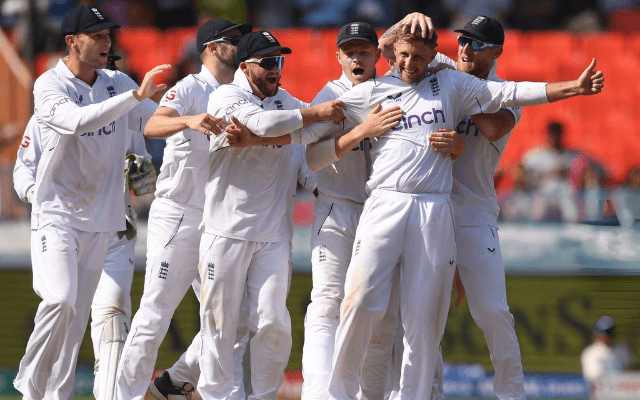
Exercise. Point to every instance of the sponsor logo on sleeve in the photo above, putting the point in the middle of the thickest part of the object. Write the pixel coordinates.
(105, 130)
(26, 141)
(233, 106)
(170, 95)
(57, 104)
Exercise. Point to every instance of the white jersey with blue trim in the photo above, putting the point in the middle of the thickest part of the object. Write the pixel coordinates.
(473, 195)
(402, 158)
(300, 173)
(184, 171)
(85, 136)
(245, 197)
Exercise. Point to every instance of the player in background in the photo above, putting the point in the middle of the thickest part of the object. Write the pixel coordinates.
(408, 214)
(176, 212)
(83, 114)
(245, 246)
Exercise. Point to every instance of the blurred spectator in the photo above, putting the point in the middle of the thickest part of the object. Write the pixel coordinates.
(603, 357)
(462, 11)
(547, 175)
(627, 200)
(231, 10)
(592, 194)
(130, 12)
(433, 9)
(269, 14)
(516, 204)
(534, 14)
(171, 13)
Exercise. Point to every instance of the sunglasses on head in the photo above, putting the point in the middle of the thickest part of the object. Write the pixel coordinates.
(268, 63)
(474, 44)
(231, 39)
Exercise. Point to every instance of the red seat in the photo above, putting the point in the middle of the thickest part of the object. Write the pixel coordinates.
(626, 21)
(145, 49)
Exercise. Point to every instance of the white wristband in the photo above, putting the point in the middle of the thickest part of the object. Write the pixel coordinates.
(296, 136)
(531, 93)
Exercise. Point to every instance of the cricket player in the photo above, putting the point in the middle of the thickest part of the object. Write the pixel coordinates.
(475, 209)
(408, 213)
(83, 114)
(187, 369)
(111, 306)
(245, 246)
(176, 212)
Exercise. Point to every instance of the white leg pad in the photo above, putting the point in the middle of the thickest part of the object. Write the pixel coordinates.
(114, 334)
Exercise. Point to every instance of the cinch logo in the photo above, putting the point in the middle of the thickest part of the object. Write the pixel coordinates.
(427, 118)
(467, 127)
(235, 105)
(59, 103)
(105, 130)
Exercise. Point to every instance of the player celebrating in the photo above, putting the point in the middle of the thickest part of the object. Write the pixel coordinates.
(176, 212)
(245, 243)
(407, 216)
(82, 112)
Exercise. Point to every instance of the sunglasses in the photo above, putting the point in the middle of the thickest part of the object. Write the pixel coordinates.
(231, 39)
(474, 44)
(268, 63)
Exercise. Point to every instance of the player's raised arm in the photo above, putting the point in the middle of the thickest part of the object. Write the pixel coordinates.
(590, 82)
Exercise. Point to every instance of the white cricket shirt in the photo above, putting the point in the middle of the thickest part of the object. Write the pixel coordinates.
(184, 172)
(246, 194)
(473, 194)
(29, 152)
(300, 172)
(402, 158)
(84, 131)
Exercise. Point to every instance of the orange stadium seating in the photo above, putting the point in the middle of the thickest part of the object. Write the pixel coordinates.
(605, 127)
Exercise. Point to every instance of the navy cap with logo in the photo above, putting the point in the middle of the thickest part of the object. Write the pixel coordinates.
(357, 31)
(485, 29)
(604, 325)
(259, 43)
(216, 27)
(86, 19)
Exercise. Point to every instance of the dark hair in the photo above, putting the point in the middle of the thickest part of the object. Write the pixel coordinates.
(417, 36)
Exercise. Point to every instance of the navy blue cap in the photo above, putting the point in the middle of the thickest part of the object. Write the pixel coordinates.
(258, 43)
(486, 29)
(86, 19)
(216, 27)
(357, 31)
(604, 325)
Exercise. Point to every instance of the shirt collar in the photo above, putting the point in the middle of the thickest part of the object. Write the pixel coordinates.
(208, 77)
(240, 80)
(63, 70)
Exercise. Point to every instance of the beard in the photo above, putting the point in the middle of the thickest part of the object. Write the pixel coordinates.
(261, 84)
(229, 61)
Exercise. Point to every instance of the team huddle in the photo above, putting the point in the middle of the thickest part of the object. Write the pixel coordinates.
(405, 210)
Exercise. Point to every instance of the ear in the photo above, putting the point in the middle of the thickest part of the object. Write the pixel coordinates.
(70, 40)
(497, 52)
(245, 68)
(212, 47)
(338, 55)
(378, 54)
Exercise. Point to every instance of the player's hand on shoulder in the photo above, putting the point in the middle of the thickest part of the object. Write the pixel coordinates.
(379, 121)
(448, 141)
(147, 87)
(590, 81)
(416, 19)
(239, 135)
(206, 123)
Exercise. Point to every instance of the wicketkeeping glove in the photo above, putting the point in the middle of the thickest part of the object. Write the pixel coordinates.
(140, 174)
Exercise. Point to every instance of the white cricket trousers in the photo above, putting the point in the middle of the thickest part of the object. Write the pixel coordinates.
(332, 237)
(229, 270)
(172, 265)
(482, 273)
(113, 295)
(66, 266)
(417, 232)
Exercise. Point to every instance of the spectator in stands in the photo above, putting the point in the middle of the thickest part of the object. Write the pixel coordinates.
(627, 200)
(170, 13)
(462, 11)
(592, 194)
(516, 204)
(547, 175)
(603, 357)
